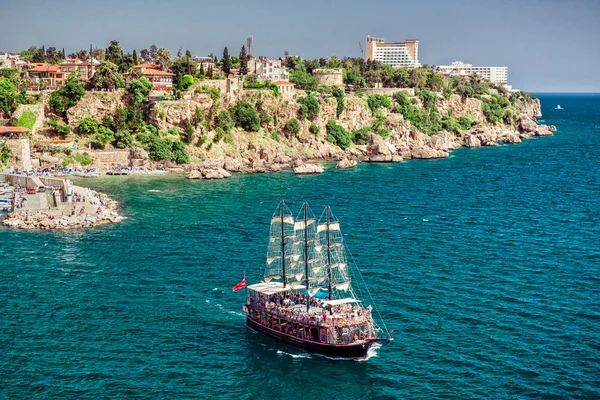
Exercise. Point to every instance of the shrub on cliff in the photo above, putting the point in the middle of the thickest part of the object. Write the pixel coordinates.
(339, 96)
(292, 126)
(376, 101)
(187, 81)
(338, 135)
(224, 121)
(104, 136)
(58, 127)
(68, 96)
(10, 96)
(359, 136)
(88, 126)
(245, 116)
(314, 129)
(5, 152)
(309, 107)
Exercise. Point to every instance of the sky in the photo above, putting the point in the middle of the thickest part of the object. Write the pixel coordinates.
(547, 45)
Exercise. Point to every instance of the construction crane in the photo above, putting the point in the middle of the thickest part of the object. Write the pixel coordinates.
(362, 53)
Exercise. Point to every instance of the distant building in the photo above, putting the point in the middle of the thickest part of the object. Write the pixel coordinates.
(266, 68)
(56, 75)
(402, 54)
(204, 63)
(285, 86)
(8, 60)
(161, 80)
(497, 75)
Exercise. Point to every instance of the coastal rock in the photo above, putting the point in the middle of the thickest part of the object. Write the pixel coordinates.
(306, 169)
(218, 173)
(346, 163)
(527, 125)
(195, 174)
(428, 153)
(510, 138)
(552, 128)
(379, 150)
(472, 141)
(444, 141)
(233, 165)
(543, 130)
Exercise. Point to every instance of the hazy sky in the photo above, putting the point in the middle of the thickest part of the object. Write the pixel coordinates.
(547, 45)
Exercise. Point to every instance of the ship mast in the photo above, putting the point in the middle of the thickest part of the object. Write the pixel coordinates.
(281, 205)
(306, 255)
(328, 252)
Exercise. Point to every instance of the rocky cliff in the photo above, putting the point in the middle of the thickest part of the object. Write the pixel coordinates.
(273, 148)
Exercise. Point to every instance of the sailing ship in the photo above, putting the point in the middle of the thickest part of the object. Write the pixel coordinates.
(306, 299)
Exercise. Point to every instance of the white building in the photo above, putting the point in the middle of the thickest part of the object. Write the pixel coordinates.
(266, 68)
(401, 54)
(497, 75)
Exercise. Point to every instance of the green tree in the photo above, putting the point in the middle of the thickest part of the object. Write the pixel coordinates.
(5, 152)
(9, 96)
(136, 59)
(88, 126)
(139, 90)
(68, 96)
(107, 76)
(243, 61)
(309, 107)
(303, 80)
(163, 58)
(114, 53)
(314, 129)
(226, 67)
(338, 135)
(338, 93)
(179, 153)
(224, 121)
(376, 101)
(245, 116)
(104, 135)
(187, 81)
(292, 126)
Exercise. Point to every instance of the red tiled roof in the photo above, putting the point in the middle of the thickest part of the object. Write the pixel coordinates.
(147, 65)
(155, 72)
(12, 129)
(45, 68)
(283, 83)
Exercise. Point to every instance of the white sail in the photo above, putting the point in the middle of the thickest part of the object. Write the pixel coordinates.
(343, 286)
(333, 226)
(300, 224)
(286, 219)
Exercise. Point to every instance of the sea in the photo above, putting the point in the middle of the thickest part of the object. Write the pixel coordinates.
(484, 266)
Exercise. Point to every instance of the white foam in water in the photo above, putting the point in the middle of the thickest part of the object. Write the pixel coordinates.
(372, 352)
(208, 301)
(154, 191)
(293, 355)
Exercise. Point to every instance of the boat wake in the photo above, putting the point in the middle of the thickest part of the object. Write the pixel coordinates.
(304, 355)
(372, 352)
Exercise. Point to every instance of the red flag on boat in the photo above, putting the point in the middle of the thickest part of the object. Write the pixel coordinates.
(240, 285)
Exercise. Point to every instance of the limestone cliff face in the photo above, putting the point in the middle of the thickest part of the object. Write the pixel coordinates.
(95, 104)
(272, 148)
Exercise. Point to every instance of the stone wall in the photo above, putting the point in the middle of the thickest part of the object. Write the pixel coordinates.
(21, 158)
(37, 109)
(231, 85)
(110, 158)
(388, 91)
(330, 77)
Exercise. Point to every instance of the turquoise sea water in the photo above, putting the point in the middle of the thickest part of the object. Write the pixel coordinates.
(486, 265)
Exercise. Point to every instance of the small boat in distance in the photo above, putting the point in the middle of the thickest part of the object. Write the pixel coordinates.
(558, 107)
(305, 299)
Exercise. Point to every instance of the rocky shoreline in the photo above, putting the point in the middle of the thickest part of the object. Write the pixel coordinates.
(98, 209)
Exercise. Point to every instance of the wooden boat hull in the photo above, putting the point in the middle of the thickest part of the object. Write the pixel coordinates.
(349, 351)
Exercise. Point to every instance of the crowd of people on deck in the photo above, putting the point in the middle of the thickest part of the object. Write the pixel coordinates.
(317, 312)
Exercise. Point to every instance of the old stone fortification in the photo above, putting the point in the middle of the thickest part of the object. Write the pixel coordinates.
(38, 111)
(388, 91)
(331, 77)
(20, 149)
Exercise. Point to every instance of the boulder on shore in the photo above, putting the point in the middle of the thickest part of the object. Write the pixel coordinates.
(306, 169)
(378, 150)
(472, 141)
(346, 163)
(209, 173)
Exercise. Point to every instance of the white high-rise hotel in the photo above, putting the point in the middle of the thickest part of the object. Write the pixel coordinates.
(498, 75)
(403, 54)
